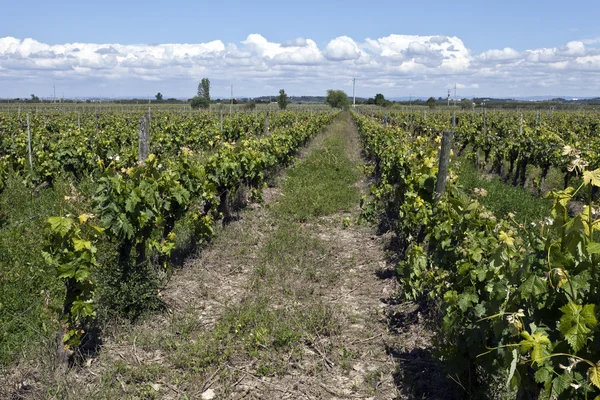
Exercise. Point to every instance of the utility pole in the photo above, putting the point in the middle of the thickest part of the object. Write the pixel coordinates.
(448, 97)
(54, 96)
(231, 102)
(354, 92)
(455, 95)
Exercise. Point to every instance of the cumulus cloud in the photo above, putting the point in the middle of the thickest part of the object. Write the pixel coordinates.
(342, 48)
(504, 55)
(398, 62)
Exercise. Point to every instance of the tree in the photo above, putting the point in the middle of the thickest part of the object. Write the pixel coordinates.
(379, 99)
(34, 98)
(282, 100)
(431, 102)
(466, 104)
(159, 96)
(198, 102)
(250, 106)
(337, 99)
(202, 98)
(204, 90)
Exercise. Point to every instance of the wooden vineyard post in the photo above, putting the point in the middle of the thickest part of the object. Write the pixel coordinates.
(143, 141)
(296, 117)
(149, 129)
(484, 117)
(29, 142)
(267, 123)
(521, 126)
(442, 176)
(19, 113)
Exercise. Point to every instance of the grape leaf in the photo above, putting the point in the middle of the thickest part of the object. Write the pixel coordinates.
(592, 177)
(593, 248)
(543, 375)
(536, 343)
(533, 287)
(561, 383)
(594, 374)
(60, 225)
(576, 323)
(466, 300)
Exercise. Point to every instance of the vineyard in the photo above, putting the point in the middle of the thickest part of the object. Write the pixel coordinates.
(101, 212)
(518, 300)
(82, 206)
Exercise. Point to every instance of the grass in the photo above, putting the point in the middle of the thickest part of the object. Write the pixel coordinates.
(282, 308)
(503, 198)
(28, 299)
(323, 183)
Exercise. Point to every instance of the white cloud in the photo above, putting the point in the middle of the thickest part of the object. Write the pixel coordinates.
(342, 48)
(397, 62)
(506, 54)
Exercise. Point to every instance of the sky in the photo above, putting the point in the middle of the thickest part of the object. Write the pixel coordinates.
(398, 48)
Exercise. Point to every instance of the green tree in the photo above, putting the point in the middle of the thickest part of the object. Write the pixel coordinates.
(379, 99)
(35, 99)
(466, 104)
(159, 96)
(202, 98)
(431, 102)
(337, 99)
(282, 100)
(198, 102)
(204, 89)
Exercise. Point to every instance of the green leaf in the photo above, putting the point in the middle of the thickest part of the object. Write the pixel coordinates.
(592, 177)
(576, 323)
(561, 383)
(594, 374)
(83, 308)
(466, 300)
(81, 244)
(533, 287)
(61, 225)
(537, 343)
(132, 201)
(82, 274)
(66, 271)
(593, 248)
(543, 375)
(513, 366)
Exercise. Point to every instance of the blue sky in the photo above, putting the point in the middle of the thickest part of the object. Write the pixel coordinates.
(488, 48)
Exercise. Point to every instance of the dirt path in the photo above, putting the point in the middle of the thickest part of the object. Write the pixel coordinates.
(290, 301)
